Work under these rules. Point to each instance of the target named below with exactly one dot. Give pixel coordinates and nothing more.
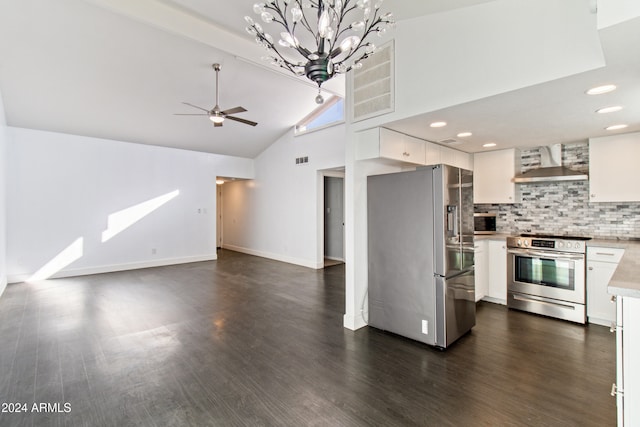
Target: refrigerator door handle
(459, 273)
(452, 219)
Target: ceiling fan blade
(218, 125)
(246, 122)
(187, 114)
(195, 106)
(234, 110)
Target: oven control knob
(526, 243)
(577, 245)
(561, 244)
(519, 243)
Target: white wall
(62, 189)
(278, 214)
(3, 199)
(470, 53)
(612, 12)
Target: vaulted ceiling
(120, 70)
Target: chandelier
(319, 38)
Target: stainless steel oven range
(546, 275)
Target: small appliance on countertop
(484, 223)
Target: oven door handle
(548, 255)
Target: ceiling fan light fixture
(335, 42)
(217, 114)
(216, 119)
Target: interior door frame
(335, 173)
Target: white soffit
(612, 12)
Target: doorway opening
(219, 183)
(333, 215)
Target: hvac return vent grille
(373, 85)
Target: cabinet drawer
(595, 253)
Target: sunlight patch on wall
(119, 221)
(71, 253)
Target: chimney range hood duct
(551, 169)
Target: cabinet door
(492, 174)
(619, 360)
(630, 358)
(433, 154)
(392, 145)
(498, 271)
(397, 146)
(481, 260)
(611, 159)
(414, 150)
(600, 309)
(450, 156)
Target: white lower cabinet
(601, 264)
(627, 386)
(497, 271)
(481, 260)
(491, 270)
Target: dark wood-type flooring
(249, 341)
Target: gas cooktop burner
(551, 236)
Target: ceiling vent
(373, 85)
(448, 141)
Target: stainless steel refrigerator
(420, 251)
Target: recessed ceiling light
(489, 144)
(601, 89)
(616, 127)
(611, 109)
(464, 134)
(438, 124)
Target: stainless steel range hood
(550, 169)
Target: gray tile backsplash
(563, 207)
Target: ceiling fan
(216, 115)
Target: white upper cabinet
(381, 143)
(387, 144)
(612, 162)
(492, 174)
(449, 156)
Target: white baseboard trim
(3, 285)
(495, 300)
(601, 322)
(354, 322)
(85, 271)
(276, 257)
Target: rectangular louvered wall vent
(373, 85)
(302, 160)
